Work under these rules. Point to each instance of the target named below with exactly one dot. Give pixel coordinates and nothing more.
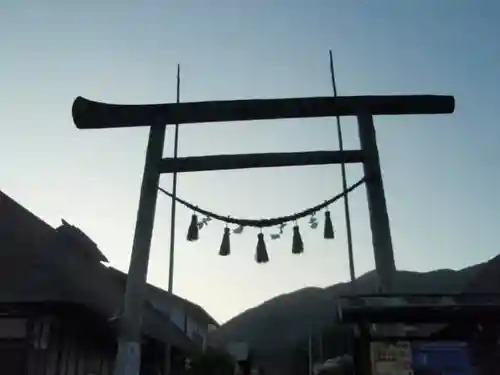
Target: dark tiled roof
(38, 264)
(191, 309)
(74, 236)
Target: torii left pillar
(88, 115)
(128, 360)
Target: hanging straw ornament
(238, 229)
(328, 232)
(261, 255)
(297, 243)
(225, 246)
(313, 222)
(203, 222)
(193, 231)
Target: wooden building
(60, 305)
(427, 323)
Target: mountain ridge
(282, 321)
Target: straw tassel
(193, 232)
(297, 243)
(261, 251)
(328, 232)
(225, 246)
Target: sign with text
(391, 358)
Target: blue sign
(443, 358)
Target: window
(12, 328)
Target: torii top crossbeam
(89, 114)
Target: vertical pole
(172, 228)
(320, 346)
(377, 206)
(174, 195)
(344, 188)
(309, 351)
(128, 359)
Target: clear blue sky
(440, 175)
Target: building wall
(179, 318)
(177, 314)
(34, 344)
(56, 349)
(67, 341)
(195, 330)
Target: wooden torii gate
(94, 115)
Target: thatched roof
(39, 263)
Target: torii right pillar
(377, 205)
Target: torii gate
(94, 115)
